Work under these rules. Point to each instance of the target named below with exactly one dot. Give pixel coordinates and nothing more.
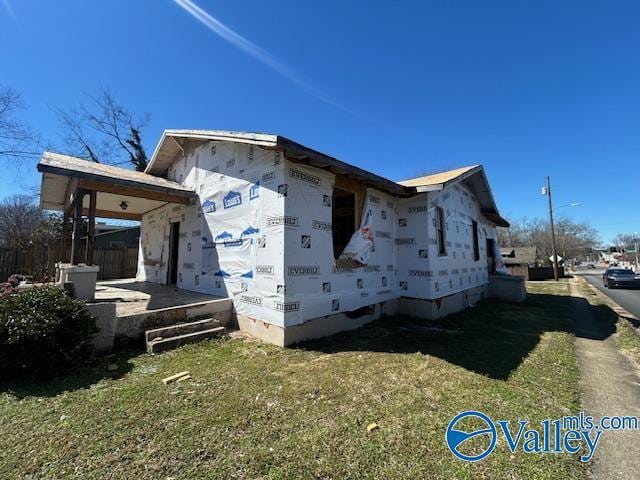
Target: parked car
(591, 265)
(620, 277)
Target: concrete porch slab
(125, 309)
(133, 298)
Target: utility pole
(547, 192)
(635, 247)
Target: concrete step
(160, 344)
(181, 329)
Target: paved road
(627, 299)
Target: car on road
(620, 277)
(591, 265)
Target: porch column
(77, 227)
(65, 237)
(91, 238)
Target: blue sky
(527, 88)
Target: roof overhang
(120, 193)
(175, 142)
(473, 177)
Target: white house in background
(272, 223)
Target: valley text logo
(472, 435)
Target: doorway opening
(343, 219)
(174, 242)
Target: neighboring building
(272, 225)
(519, 256)
(525, 262)
(116, 236)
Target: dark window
(440, 231)
(476, 243)
(343, 218)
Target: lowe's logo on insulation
(286, 221)
(248, 274)
(287, 306)
(221, 273)
(208, 206)
(304, 177)
(224, 236)
(232, 199)
(251, 299)
(249, 231)
(254, 191)
(305, 270)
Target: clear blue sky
(527, 88)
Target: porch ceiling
(121, 193)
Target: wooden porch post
(91, 238)
(77, 226)
(65, 237)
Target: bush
(43, 331)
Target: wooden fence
(39, 262)
(534, 273)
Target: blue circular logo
(455, 437)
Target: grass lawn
(256, 411)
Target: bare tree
(17, 140)
(23, 223)
(573, 239)
(103, 131)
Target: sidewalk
(610, 385)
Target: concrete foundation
(441, 307)
(317, 327)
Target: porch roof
(121, 193)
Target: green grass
(256, 411)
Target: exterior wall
(422, 272)
(261, 234)
(234, 231)
(314, 286)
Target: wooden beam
(119, 215)
(137, 192)
(72, 185)
(65, 237)
(91, 234)
(77, 227)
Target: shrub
(43, 331)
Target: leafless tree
(573, 239)
(103, 131)
(23, 223)
(17, 140)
